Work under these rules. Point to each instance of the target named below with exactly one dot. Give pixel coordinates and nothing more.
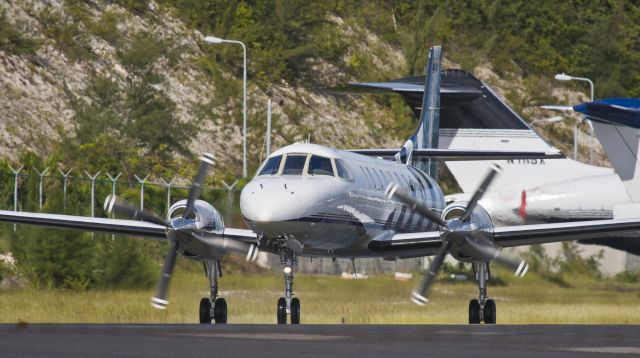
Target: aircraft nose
(269, 201)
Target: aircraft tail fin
(426, 135)
(616, 124)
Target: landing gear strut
(288, 305)
(218, 311)
(482, 309)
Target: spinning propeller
(460, 231)
(111, 204)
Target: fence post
(229, 187)
(141, 181)
(113, 193)
(168, 184)
(113, 183)
(15, 188)
(65, 177)
(93, 191)
(41, 175)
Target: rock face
(36, 88)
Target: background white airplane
(312, 200)
(532, 190)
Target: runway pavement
(74, 340)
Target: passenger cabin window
(272, 166)
(320, 166)
(294, 164)
(342, 170)
(379, 180)
(372, 183)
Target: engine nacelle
(206, 240)
(204, 216)
(479, 220)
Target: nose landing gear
(218, 311)
(288, 305)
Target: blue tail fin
(426, 135)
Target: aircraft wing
(509, 236)
(113, 226)
(428, 242)
(461, 154)
(407, 245)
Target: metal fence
(79, 192)
(82, 193)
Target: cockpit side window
(272, 166)
(320, 166)
(342, 170)
(294, 164)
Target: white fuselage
(338, 210)
(554, 190)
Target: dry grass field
(329, 300)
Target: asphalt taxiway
(74, 340)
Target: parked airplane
(531, 190)
(312, 200)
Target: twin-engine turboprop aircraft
(312, 200)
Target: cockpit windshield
(320, 166)
(305, 164)
(272, 166)
(294, 164)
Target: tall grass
(330, 300)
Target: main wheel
(205, 310)
(282, 311)
(489, 312)
(220, 310)
(474, 312)
(295, 311)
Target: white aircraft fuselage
(336, 210)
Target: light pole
(212, 40)
(564, 77)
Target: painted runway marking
(610, 350)
(268, 336)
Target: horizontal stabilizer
(616, 111)
(554, 107)
(461, 154)
(403, 87)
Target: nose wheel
(288, 305)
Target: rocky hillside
(72, 72)
(70, 44)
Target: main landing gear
(288, 305)
(218, 311)
(482, 309)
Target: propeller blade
(419, 294)
(112, 205)
(495, 169)
(206, 160)
(394, 191)
(489, 251)
(160, 300)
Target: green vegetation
(12, 39)
(596, 39)
(379, 299)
